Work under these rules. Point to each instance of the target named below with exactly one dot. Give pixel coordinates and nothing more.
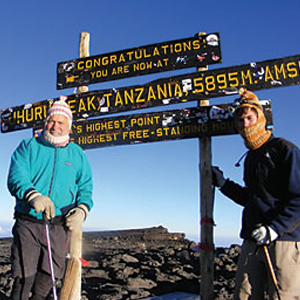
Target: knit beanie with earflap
(255, 135)
(59, 107)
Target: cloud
(5, 229)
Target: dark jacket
(271, 195)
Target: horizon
(220, 241)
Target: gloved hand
(217, 177)
(264, 235)
(42, 203)
(76, 216)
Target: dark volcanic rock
(135, 264)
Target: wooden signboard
(159, 126)
(172, 55)
(194, 86)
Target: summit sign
(215, 83)
(173, 55)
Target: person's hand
(264, 235)
(42, 204)
(76, 216)
(218, 178)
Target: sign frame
(202, 85)
(190, 52)
(160, 126)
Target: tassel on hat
(249, 99)
(255, 135)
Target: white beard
(56, 140)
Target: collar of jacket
(40, 139)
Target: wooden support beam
(206, 208)
(206, 213)
(84, 52)
(71, 289)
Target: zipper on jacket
(54, 164)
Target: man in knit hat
(271, 201)
(51, 181)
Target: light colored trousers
(253, 277)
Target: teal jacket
(61, 173)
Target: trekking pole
(50, 261)
(272, 271)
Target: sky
(150, 184)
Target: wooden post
(71, 289)
(84, 51)
(206, 213)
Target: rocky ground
(135, 264)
